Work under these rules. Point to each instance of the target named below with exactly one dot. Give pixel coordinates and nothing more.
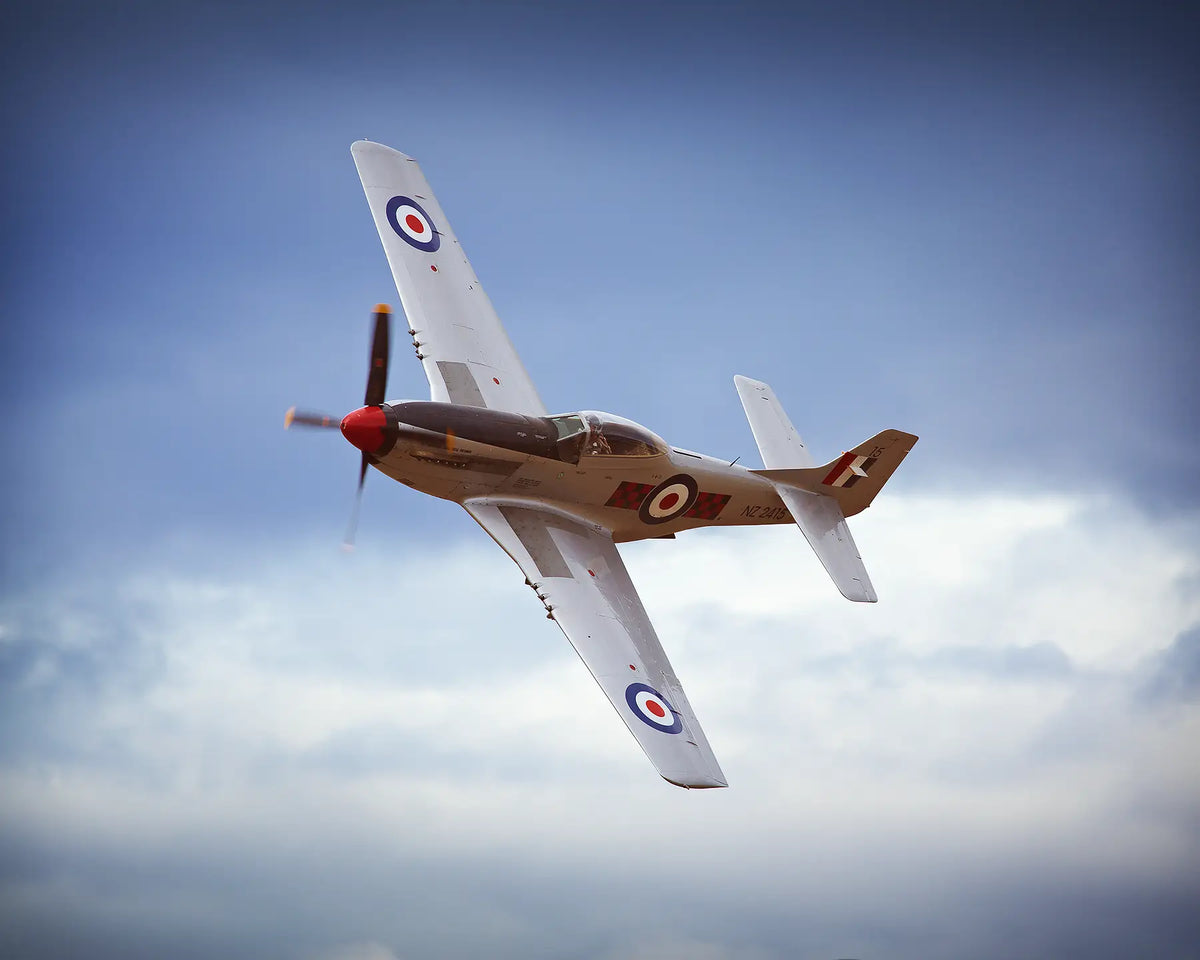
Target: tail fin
(820, 498)
(854, 478)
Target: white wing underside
(575, 566)
(465, 351)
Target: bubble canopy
(590, 433)
(569, 437)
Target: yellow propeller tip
(289, 417)
(382, 308)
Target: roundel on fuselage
(670, 499)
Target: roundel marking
(652, 708)
(670, 499)
(412, 224)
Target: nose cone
(366, 428)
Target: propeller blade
(306, 419)
(374, 397)
(377, 378)
(352, 529)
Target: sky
(219, 735)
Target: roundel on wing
(652, 708)
(412, 224)
(670, 499)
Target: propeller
(373, 397)
(377, 377)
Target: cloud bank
(395, 755)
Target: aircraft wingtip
(370, 146)
(713, 784)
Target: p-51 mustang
(557, 493)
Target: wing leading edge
(467, 355)
(576, 569)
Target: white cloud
(343, 718)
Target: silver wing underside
(576, 569)
(464, 349)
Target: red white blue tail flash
(845, 472)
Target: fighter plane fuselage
(610, 470)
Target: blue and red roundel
(652, 708)
(670, 500)
(412, 224)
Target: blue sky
(972, 222)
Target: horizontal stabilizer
(778, 441)
(821, 498)
(820, 520)
(854, 478)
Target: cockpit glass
(571, 436)
(611, 437)
(567, 426)
(590, 434)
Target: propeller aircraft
(559, 492)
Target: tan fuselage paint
(465, 469)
